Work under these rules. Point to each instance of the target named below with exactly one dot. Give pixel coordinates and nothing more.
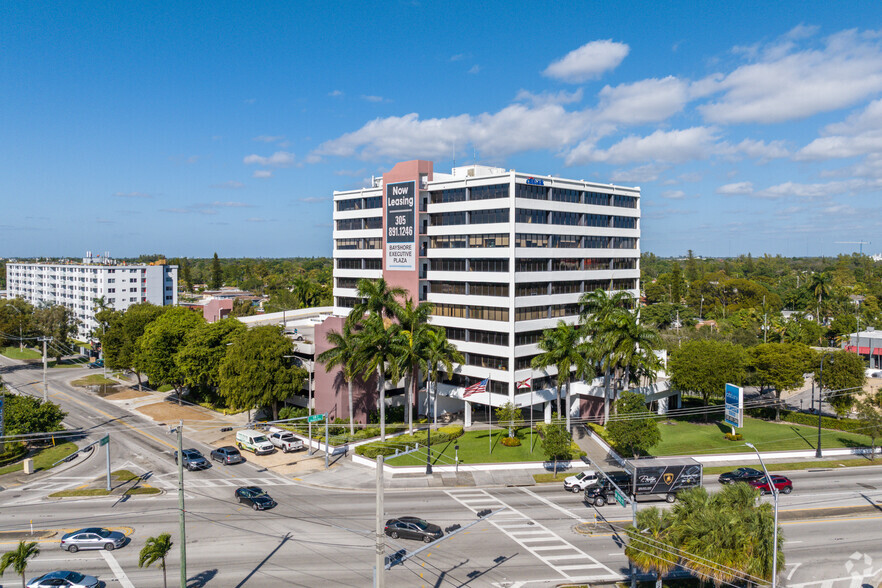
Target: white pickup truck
(579, 482)
(284, 440)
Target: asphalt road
(321, 537)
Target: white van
(254, 441)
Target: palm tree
(439, 351)
(409, 343)
(377, 298)
(375, 353)
(563, 348)
(629, 346)
(342, 354)
(649, 543)
(820, 285)
(598, 315)
(18, 559)
(156, 549)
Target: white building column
(468, 413)
(663, 405)
(547, 413)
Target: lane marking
(565, 511)
(116, 569)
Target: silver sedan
(92, 538)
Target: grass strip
(43, 459)
(93, 380)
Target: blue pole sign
(734, 414)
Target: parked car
(580, 481)
(64, 579)
(782, 483)
(254, 441)
(92, 538)
(227, 455)
(285, 440)
(98, 363)
(254, 496)
(193, 460)
(740, 475)
(413, 528)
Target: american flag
(525, 383)
(476, 388)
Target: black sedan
(257, 498)
(413, 528)
(227, 455)
(193, 459)
(740, 475)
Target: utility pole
(380, 561)
(181, 504)
(45, 386)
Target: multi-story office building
(501, 254)
(78, 286)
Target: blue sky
(189, 128)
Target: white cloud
(474, 69)
(816, 191)
(736, 189)
(643, 173)
(277, 159)
(786, 84)
(269, 138)
(132, 195)
(588, 61)
(859, 134)
(335, 93)
(229, 185)
(372, 98)
(646, 101)
(676, 146)
(262, 173)
(673, 194)
(759, 150)
(543, 98)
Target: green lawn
(685, 438)
(13, 353)
(474, 447)
(44, 458)
(93, 380)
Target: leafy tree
(124, 329)
(199, 357)
(242, 308)
(705, 367)
(186, 279)
(156, 549)
(58, 322)
(871, 413)
(217, 275)
(25, 414)
(342, 354)
(633, 427)
(556, 443)
(844, 373)
(256, 372)
(650, 545)
(563, 348)
(162, 339)
(511, 414)
(781, 366)
(676, 284)
(16, 319)
(18, 558)
(440, 352)
(409, 340)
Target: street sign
(619, 498)
(104, 440)
(734, 412)
(315, 418)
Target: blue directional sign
(734, 413)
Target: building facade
(79, 285)
(501, 254)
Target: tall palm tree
(18, 559)
(377, 298)
(342, 354)
(439, 351)
(375, 353)
(156, 549)
(599, 313)
(649, 543)
(563, 348)
(409, 342)
(820, 285)
(629, 346)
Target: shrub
(735, 437)
(292, 412)
(576, 451)
(372, 450)
(511, 441)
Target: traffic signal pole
(181, 504)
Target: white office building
(79, 285)
(502, 255)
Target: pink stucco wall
(403, 172)
(331, 391)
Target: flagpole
(531, 414)
(490, 415)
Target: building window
(531, 289)
(531, 265)
(374, 222)
(373, 264)
(347, 302)
(488, 265)
(565, 265)
(489, 192)
(566, 287)
(531, 191)
(344, 263)
(497, 240)
(566, 241)
(482, 217)
(349, 224)
(529, 215)
(563, 195)
(597, 198)
(448, 265)
(596, 263)
(488, 289)
(625, 284)
(454, 195)
(624, 201)
(531, 313)
(528, 338)
(373, 243)
(565, 218)
(452, 310)
(624, 243)
(347, 283)
(487, 337)
(624, 222)
(448, 242)
(488, 313)
(597, 220)
(595, 242)
(344, 244)
(447, 287)
(487, 361)
(346, 205)
(531, 240)
(442, 219)
(565, 310)
(628, 263)
(373, 202)
(455, 333)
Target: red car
(782, 483)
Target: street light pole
(774, 492)
(820, 396)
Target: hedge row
(404, 442)
(801, 418)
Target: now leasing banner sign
(401, 226)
